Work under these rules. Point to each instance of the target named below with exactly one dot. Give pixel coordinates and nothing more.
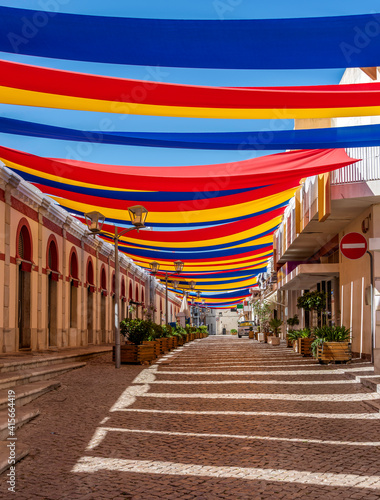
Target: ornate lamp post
(155, 266)
(95, 221)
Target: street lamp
(178, 266)
(95, 221)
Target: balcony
(306, 276)
(352, 189)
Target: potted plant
(305, 340)
(233, 331)
(263, 312)
(134, 351)
(312, 301)
(332, 343)
(275, 325)
(292, 321)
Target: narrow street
(220, 418)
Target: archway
(24, 256)
(103, 304)
(123, 299)
(113, 304)
(90, 302)
(137, 300)
(73, 289)
(130, 297)
(52, 292)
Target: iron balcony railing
(368, 169)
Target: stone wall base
(376, 356)
(365, 356)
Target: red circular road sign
(353, 245)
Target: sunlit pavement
(221, 418)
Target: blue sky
(203, 9)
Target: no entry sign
(353, 245)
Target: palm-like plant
(275, 325)
(329, 334)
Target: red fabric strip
(38, 79)
(277, 168)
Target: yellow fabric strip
(262, 228)
(22, 97)
(191, 217)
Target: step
(22, 416)
(12, 362)
(20, 452)
(372, 405)
(16, 378)
(372, 383)
(24, 394)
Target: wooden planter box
(172, 342)
(156, 346)
(304, 347)
(137, 354)
(289, 343)
(164, 345)
(334, 351)
(272, 339)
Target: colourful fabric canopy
(225, 257)
(277, 168)
(322, 42)
(325, 138)
(216, 214)
(27, 85)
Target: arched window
(103, 279)
(24, 247)
(74, 264)
(90, 274)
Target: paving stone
(222, 418)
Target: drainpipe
(372, 307)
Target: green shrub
(179, 330)
(136, 330)
(293, 320)
(306, 333)
(312, 301)
(294, 335)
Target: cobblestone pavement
(220, 418)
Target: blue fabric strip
(325, 138)
(321, 42)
